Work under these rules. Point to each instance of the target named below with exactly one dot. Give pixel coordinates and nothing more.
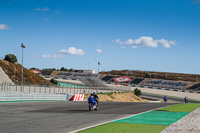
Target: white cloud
(147, 42)
(63, 53)
(118, 41)
(165, 43)
(122, 47)
(3, 27)
(72, 50)
(135, 47)
(129, 41)
(53, 56)
(42, 9)
(99, 51)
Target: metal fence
(61, 90)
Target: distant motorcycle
(165, 99)
(186, 99)
(92, 103)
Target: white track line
(114, 120)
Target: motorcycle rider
(96, 98)
(165, 99)
(186, 99)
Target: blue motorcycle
(92, 103)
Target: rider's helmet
(94, 93)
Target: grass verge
(189, 107)
(116, 127)
(125, 128)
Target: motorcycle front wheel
(90, 106)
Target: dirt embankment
(155, 75)
(118, 97)
(14, 73)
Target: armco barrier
(166, 89)
(75, 97)
(15, 96)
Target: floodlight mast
(22, 46)
(98, 66)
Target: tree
(62, 69)
(71, 70)
(54, 81)
(34, 68)
(137, 92)
(11, 58)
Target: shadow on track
(105, 108)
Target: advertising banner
(35, 71)
(122, 79)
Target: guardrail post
(16, 87)
(9, 86)
(40, 90)
(6, 88)
(2, 86)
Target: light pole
(98, 66)
(22, 46)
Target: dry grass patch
(118, 97)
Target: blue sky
(150, 35)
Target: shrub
(54, 81)
(137, 92)
(11, 58)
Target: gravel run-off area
(188, 124)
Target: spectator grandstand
(166, 84)
(94, 82)
(46, 72)
(136, 81)
(195, 87)
(108, 78)
(87, 78)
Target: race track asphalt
(177, 99)
(62, 116)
